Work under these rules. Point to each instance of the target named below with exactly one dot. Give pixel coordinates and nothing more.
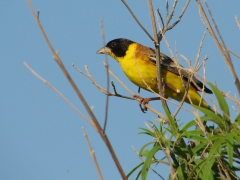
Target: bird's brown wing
(168, 64)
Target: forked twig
(166, 27)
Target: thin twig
(167, 8)
(172, 12)
(92, 153)
(129, 9)
(233, 53)
(159, 14)
(60, 94)
(180, 16)
(157, 49)
(108, 79)
(166, 151)
(238, 24)
(79, 94)
(104, 91)
(225, 56)
(166, 27)
(199, 50)
(184, 96)
(113, 75)
(218, 33)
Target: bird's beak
(104, 50)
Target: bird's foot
(142, 102)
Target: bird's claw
(142, 102)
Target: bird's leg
(139, 91)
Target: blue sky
(40, 135)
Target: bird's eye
(113, 44)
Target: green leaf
(237, 138)
(216, 146)
(216, 137)
(197, 168)
(195, 132)
(148, 161)
(207, 169)
(198, 138)
(143, 148)
(237, 120)
(144, 153)
(221, 100)
(188, 125)
(230, 143)
(199, 147)
(134, 169)
(212, 117)
(180, 172)
(147, 131)
(172, 123)
(236, 123)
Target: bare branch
(233, 53)
(172, 12)
(166, 27)
(159, 14)
(238, 24)
(157, 51)
(107, 67)
(92, 153)
(79, 94)
(199, 50)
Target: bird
(138, 63)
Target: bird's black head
(119, 46)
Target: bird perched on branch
(138, 62)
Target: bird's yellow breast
(138, 68)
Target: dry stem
(92, 153)
(223, 50)
(79, 94)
